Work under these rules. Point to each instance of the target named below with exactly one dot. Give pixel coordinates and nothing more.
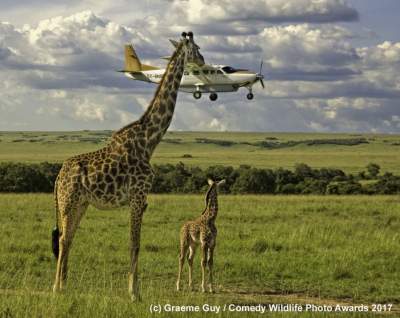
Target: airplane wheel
(250, 96)
(213, 96)
(197, 95)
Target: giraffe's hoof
(211, 289)
(136, 298)
(56, 289)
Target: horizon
(215, 132)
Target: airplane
(196, 79)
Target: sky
(329, 65)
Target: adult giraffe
(120, 173)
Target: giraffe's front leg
(210, 268)
(204, 251)
(138, 205)
(192, 250)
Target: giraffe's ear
(221, 182)
(210, 182)
(174, 43)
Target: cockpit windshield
(229, 69)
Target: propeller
(259, 76)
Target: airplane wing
(194, 66)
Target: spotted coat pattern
(119, 174)
(201, 231)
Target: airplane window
(205, 71)
(219, 72)
(229, 69)
(196, 72)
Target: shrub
(224, 143)
(347, 187)
(373, 169)
(302, 171)
(254, 181)
(388, 184)
(19, 177)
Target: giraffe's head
(192, 50)
(212, 190)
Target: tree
(346, 187)
(255, 181)
(373, 170)
(303, 171)
(313, 186)
(285, 177)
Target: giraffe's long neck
(146, 133)
(212, 205)
(158, 115)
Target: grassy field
(57, 146)
(271, 249)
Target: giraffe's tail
(55, 234)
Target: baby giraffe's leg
(182, 255)
(192, 249)
(210, 268)
(204, 250)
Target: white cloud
(63, 69)
(215, 124)
(206, 11)
(306, 46)
(384, 53)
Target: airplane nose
(260, 77)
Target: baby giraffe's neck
(212, 206)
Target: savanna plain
(323, 250)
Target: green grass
(271, 249)
(57, 146)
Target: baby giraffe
(201, 231)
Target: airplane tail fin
(132, 61)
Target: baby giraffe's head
(212, 190)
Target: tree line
(21, 177)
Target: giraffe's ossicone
(119, 174)
(202, 231)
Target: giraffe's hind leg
(70, 223)
(210, 262)
(204, 252)
(138, 205)
(182, 255)
(192, 250)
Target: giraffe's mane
(141, 119)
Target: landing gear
(213, 96)
(197, 94)
(250, 96)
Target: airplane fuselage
(205, 80)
